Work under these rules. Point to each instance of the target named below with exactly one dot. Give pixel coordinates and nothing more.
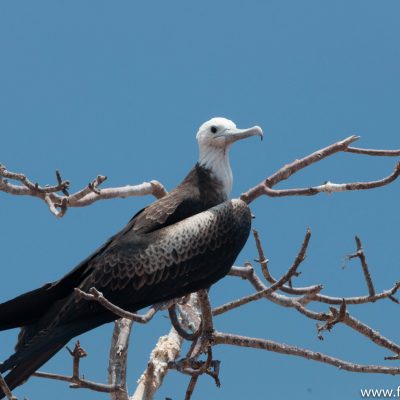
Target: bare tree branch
(77, 353)
(336, 317)
(59, 203)
(275, 286)
(265, 187)
(371, 334)
(190, 389)
(95, 295)
(76, 382)
(313, 291)
(299, 303)
(373, 152)
(330, 187)
(6, 390)
(161, 359)
(181, 331)
(166, 351)
(202, 343)
(360, 254)
(118, 359)
(269, 345)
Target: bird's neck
(216, 160)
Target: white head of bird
(215, 138)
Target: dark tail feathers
(24, 370)
(25, 361)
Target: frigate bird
(181, 243)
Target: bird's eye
(214, 129)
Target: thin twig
(373, 152)
(191, 386)
(77, 353)
(95, 295)
(360, 254)
(63, 185)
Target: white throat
(217, 161)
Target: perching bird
(179, 244)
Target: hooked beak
(232, 135)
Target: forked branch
(265, 187)
(58, 203)
(76, 382)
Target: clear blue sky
(120, 88)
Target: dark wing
(194, 253)
(25, 309)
